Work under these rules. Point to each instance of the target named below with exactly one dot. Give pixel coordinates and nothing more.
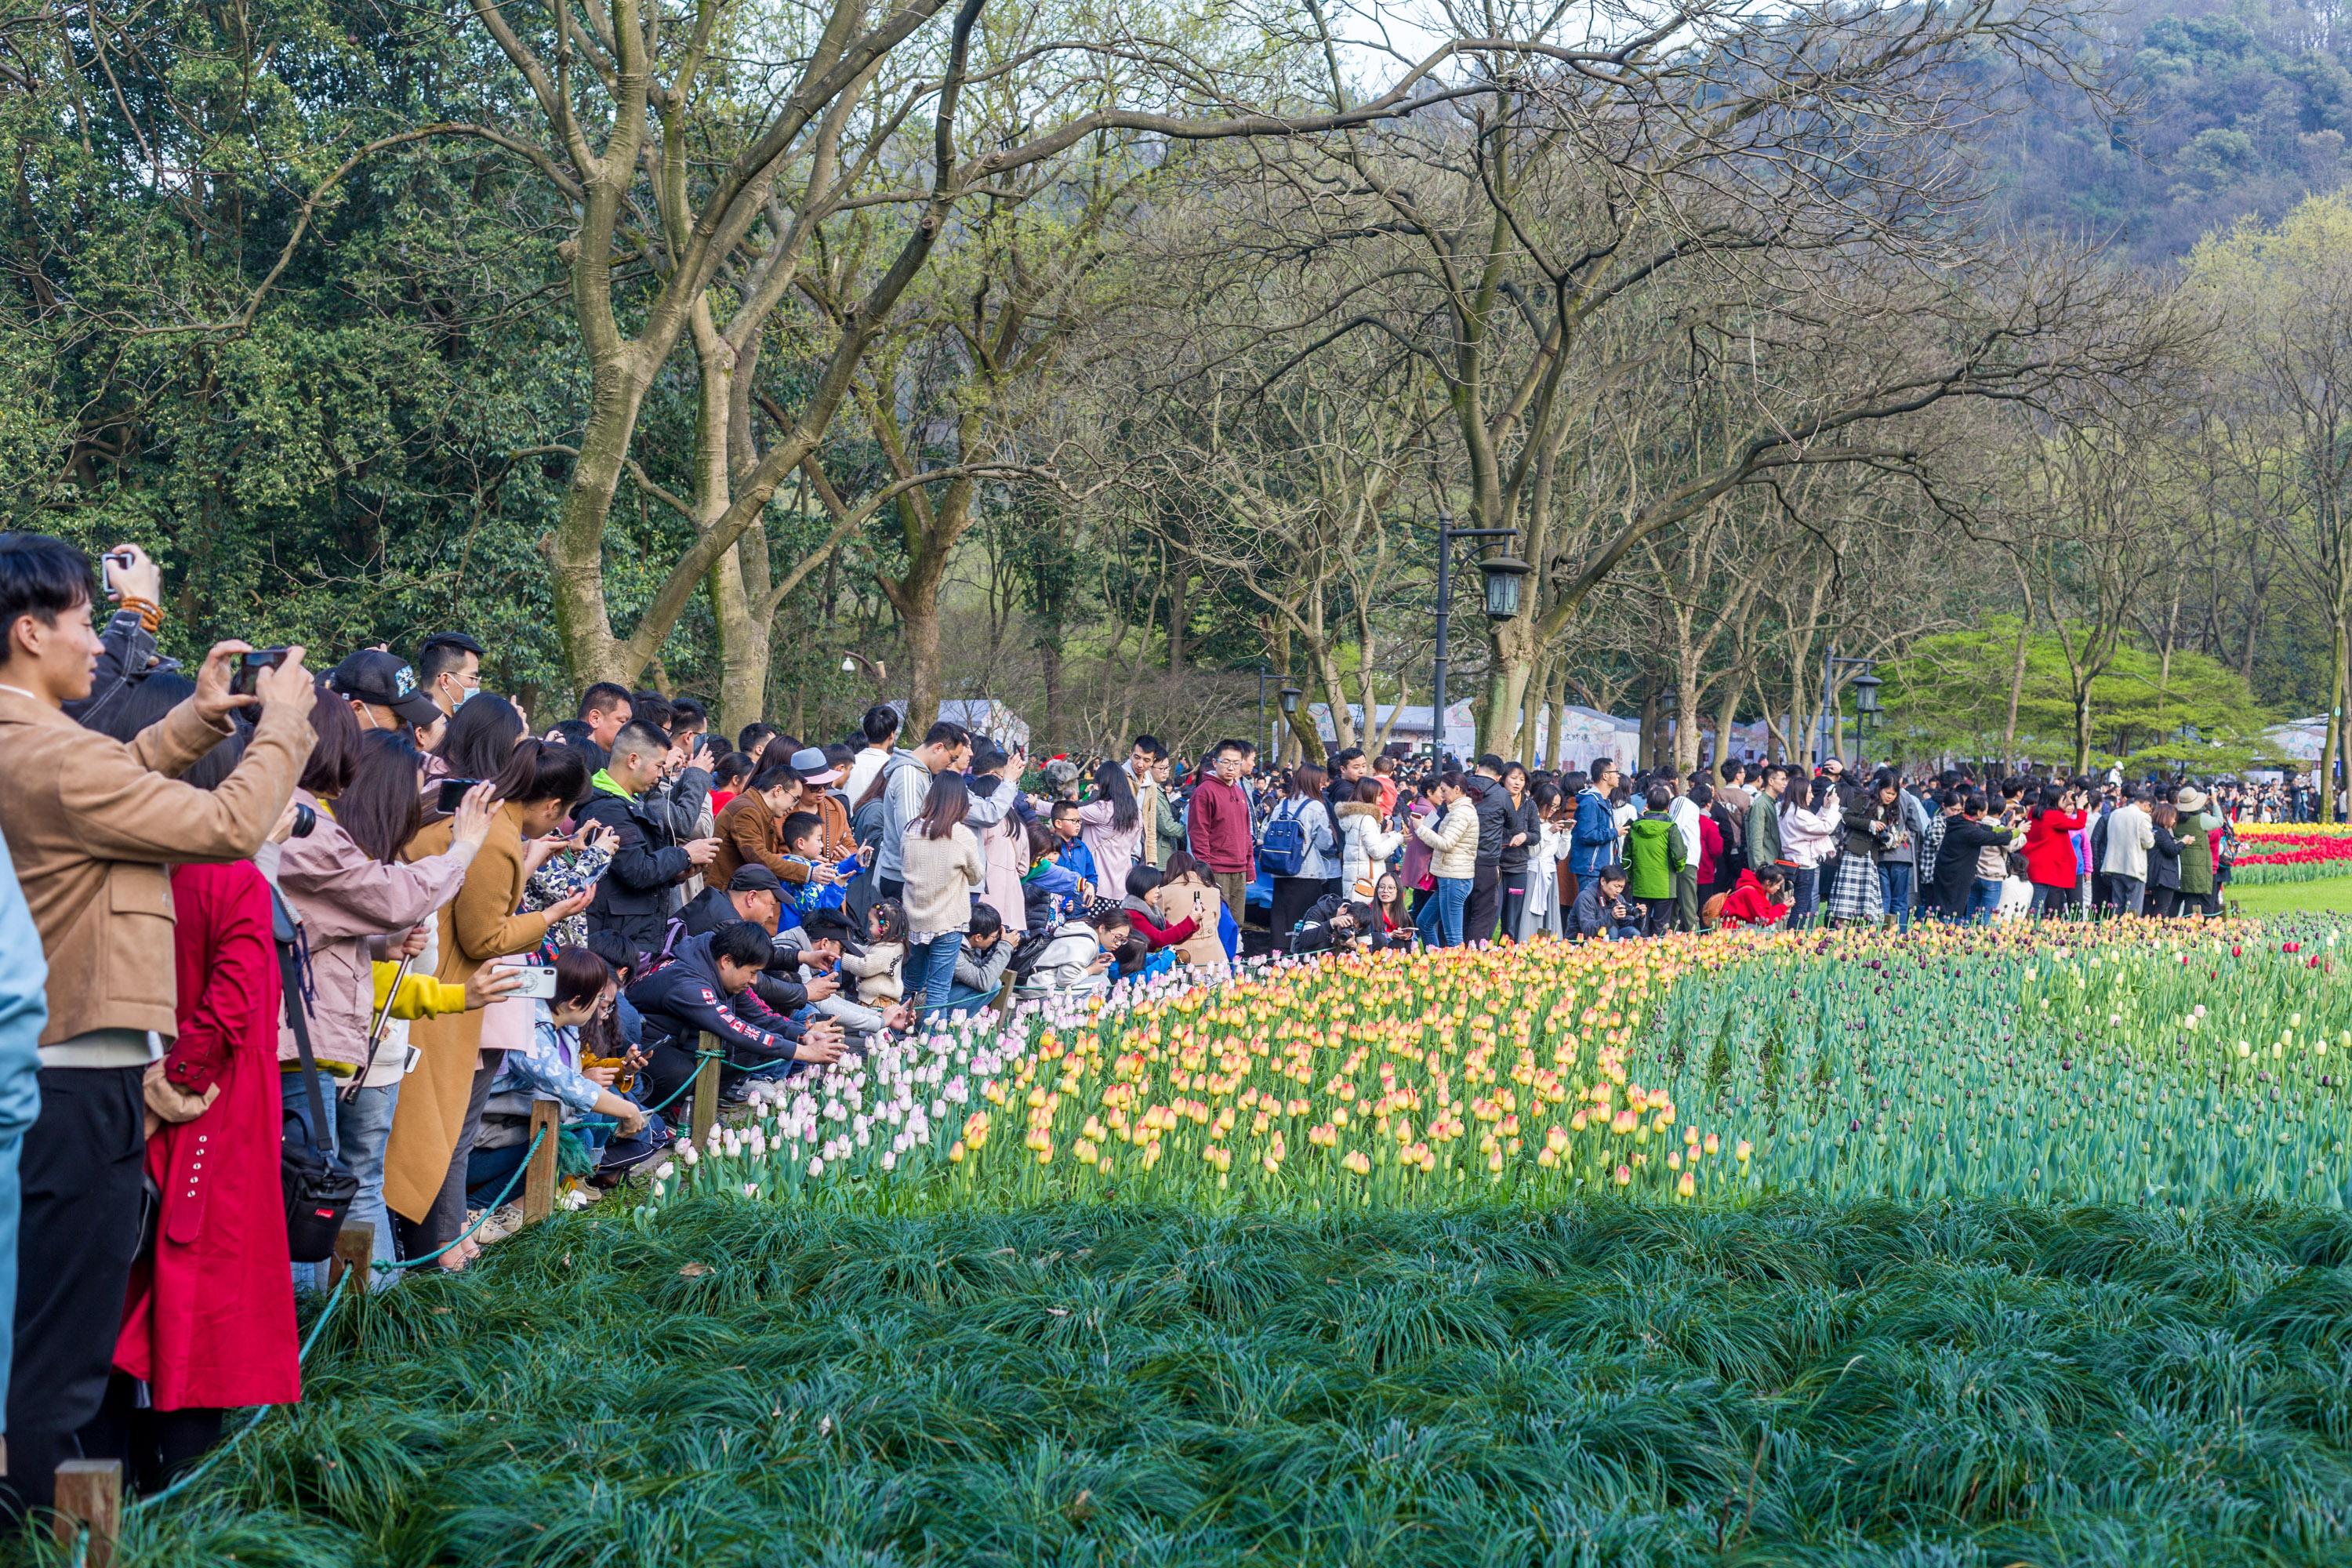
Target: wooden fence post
(539, 1180)
(354, 1248)
(706, 1092)
(89, 1496)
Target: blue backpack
(1285, 849)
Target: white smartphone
(538, 981)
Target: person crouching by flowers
(1079, 955)
(549, 1068)
(1602, 911)
(1754, 901)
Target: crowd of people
(349, 929)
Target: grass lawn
(746, 1383)
(2329, 895)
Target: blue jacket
(1593, 842)
(24, 1011)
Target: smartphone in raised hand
(244, 680)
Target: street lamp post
(1865, 686)
(1503, 575)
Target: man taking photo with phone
(644, 885)
(93, 824)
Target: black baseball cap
(754, 880)
(387, 680)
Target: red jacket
(1158, 936)
(1220, 826)
(1746, 905)
(209, 1318)
(1710, 848)
(2049, 848)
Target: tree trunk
(2327, 752)
(1511, 647)
(917, 599)
(2016, 686)
(576, 550)
(1685, 721)
(1724, 717)
(1178, 610)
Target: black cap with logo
(386, 679)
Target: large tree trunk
(1511, 647)
(576, 550)
(1686, 719)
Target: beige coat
(94, 824)
(1453, 842)
(1202, 949)
(477, 926)
(942, 874)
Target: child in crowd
(1070, 851)
(876, 969)
(1156, 929)
(1051, 891)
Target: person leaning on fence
(93, 823)
(550, 1068)
(706, 989)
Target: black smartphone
(453, 795)
(249, 666)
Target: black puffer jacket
(640, 889)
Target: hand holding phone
(245, 675)
(536, 982)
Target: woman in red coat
(2050, 863)
(209, 1323)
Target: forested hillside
(2231, 109)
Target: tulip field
(2143, 1063)
(2020, 1245)
(2292, 852)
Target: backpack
(1284, 853)
(1023, 962)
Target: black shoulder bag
(319, 1186)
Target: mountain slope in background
(2234, 110)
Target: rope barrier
(221, 1452)
(488, 1210)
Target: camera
(249, 666)
(305, 819)
(453, 795)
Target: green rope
(488, 1210)
(665, 1100)
(218, 1454)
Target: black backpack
(320, 1188)
(1023, 962)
